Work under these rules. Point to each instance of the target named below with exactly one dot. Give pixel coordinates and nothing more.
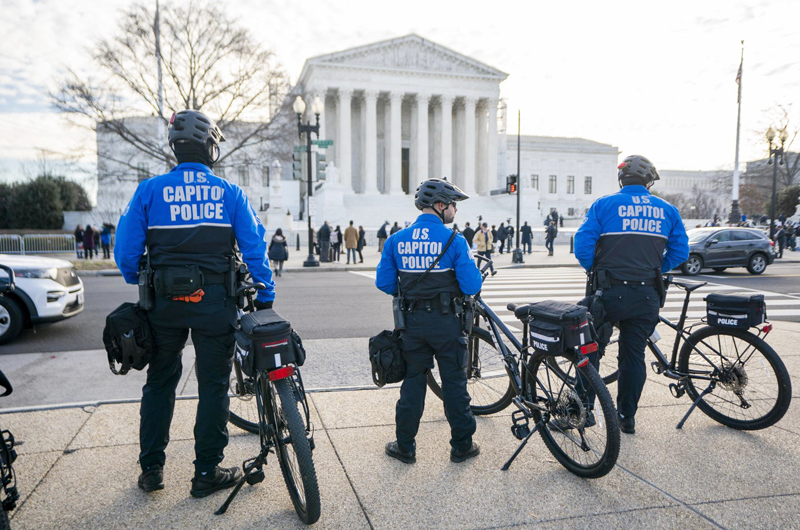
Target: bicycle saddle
(521, 311)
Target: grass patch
(93, 264)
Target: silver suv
(719, 248)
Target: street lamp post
(299, 108)
(775, 158)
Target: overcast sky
(651, 78)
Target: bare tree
(760, 172)
(210, 63)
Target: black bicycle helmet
(636, 169)
(437, 190)
(194, 126)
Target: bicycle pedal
(657, 368)
(521, 427)
(255, 477)
(677, 391)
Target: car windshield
(697, 236)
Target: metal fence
(37, 244)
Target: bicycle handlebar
(250, 287)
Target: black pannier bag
(736, 310)
(128, 338)
(557, 326)
(386, 358)
(265, 341)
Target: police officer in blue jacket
(188, 221)
(433, 309)
(627, 240)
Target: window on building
(571, 212)
(265, 176)
(535, 182)
(553, 184)
(244, 176)
(142, 172)
(570, 184)
(587, 185)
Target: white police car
(42, 290)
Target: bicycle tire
(563, 406)
(608, 365)
(242, 407)
(287, 417)
(496, 399)
(735, 378)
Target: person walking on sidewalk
(182, 248)
(395, 228)
(780, 237)
(550, 235)
(501, 237)
(278, 252)
(432, 304)
(105, 240)
(626, 242)
(88, 243)
(484, 243)
(324, 236)
(469, 233)
(362, 242)
(351, 241)
(382, 235)
(336, 243)
(509, 238)
(527, 237)
(79, 241)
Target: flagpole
(162, 129)
(736, 216)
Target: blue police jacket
(409, 252)
(630, 234)
(190, 216)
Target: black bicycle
(732, 375)
(282, 422)
(502, 370)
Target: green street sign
(322, 143)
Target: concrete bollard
(572, 244)
(298, 242)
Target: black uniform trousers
(635, 308)
(430, 334)
(211, 322)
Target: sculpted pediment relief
(413, 53)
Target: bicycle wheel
(243, 409)
(488, 384)
(294, 451)
(565, 414)
(608, 368)
(752, 390)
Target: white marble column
(469, 145)
(421, 145)
(395, 145)
(344, 156)
(492, 144)
(371, 142)
(482, 150)
(447, 138)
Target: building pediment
(409, 53)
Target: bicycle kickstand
(254, 469)
(696, 401)
(521, 446)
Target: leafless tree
(760, 172)
(209, 62)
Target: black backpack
(386, 358)
(128, 338)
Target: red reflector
(281, 373)
(767, 328)
(622, 165)
(584, 362)
(586, 349)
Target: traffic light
(297, 166)
(322, 164)
(511, 184)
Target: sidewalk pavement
(78, 467)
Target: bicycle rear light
(281, 373)
(766, 329)
(586, 349)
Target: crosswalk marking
(567, 284)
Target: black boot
(395, 452)
(216, 480)
(627, 425)
(152, 478)
(457, 455)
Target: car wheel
(692, 266)
(757, 264)
(720, 269)
(11, 319)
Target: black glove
(262, 305)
